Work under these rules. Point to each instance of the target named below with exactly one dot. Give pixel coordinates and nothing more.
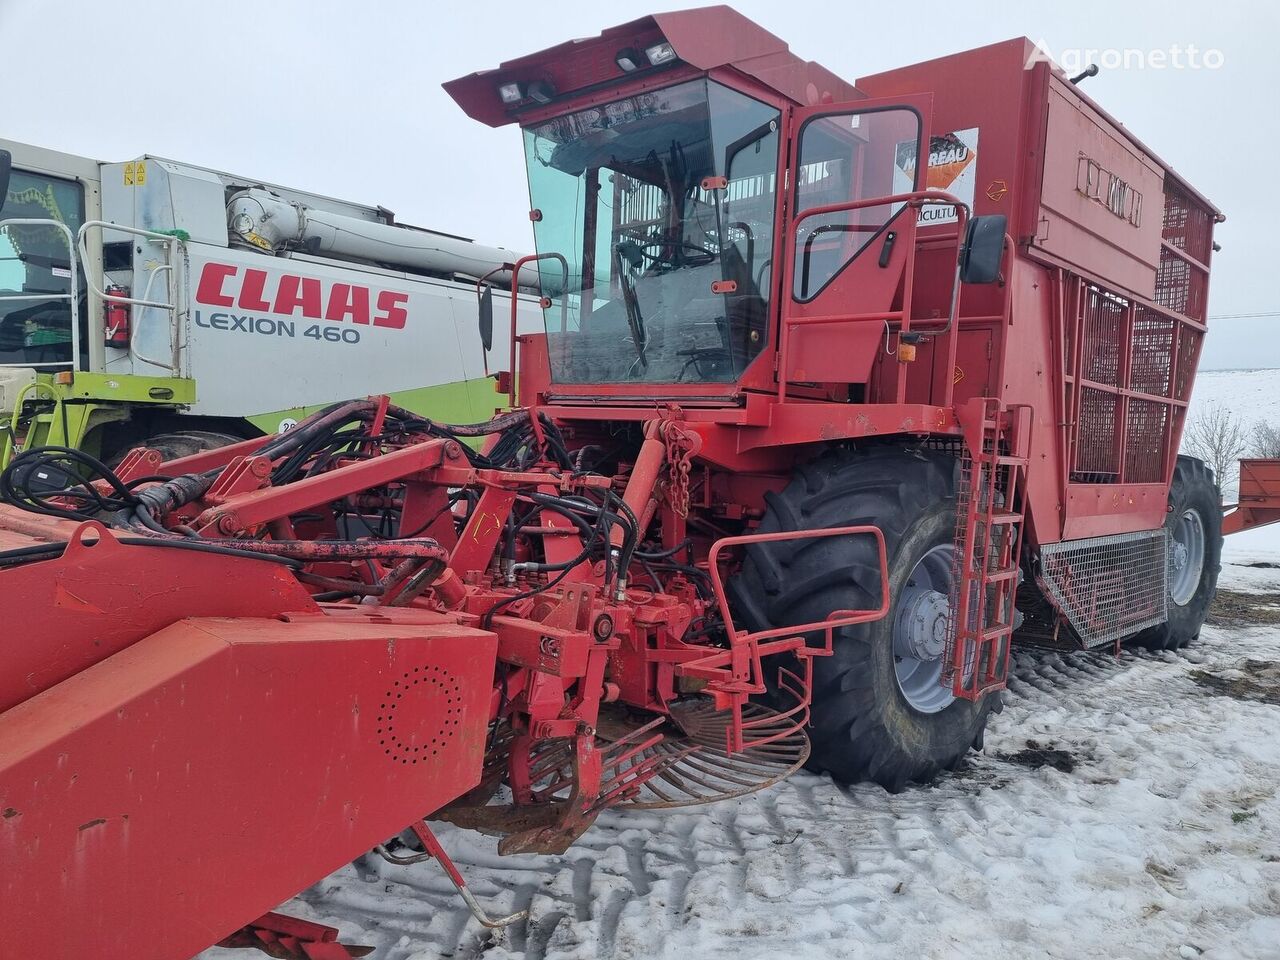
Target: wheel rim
(1186, 557)
(920, 630)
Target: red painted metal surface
(216, 767)
(288, 937)
(101, 596)
(1259, 501)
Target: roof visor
(702, 39)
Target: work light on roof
(542, 91)
(628, 59)
(660, 53)
(511, 92)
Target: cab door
(852, 234)
(39, 291)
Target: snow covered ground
(1252, 395)
(1123, 808)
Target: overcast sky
(344, 98)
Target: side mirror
(983, 249)
(486, 318)
(6, 168)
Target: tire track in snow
(812, 866)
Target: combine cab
(842, 390)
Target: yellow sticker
(129, 169)
(141, 176)
(135, 174)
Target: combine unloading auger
(240, 670)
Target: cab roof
(704, 38)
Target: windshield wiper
(622, 255)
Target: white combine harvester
(186, 307)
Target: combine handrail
(915, 199)
(515, 305)
(174, 245)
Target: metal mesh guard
(1108, 587)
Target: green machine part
(52, 411)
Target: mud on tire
(863, 727)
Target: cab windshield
(662, 205)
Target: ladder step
(1004, 518)
(1001, 576)
(1007, 461)
(992, 634)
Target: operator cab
(663, 206)
(36, 269)
(711, 211)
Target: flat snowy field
(1123, 808)
(1251, 395)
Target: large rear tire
(879, 710)
(1194, 529)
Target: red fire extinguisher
(116, 318)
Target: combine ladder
(990, 513)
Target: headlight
(511, 92)
(660, 53)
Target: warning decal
(953, 166)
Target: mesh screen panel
(1096, 441)
(1145, 441)
(1188, 224)
(1180, 286)
(1103, 323)
(1188, 355)
(1108, 587)
(1150, 363)
(1128, 364)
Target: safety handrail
(736, 673)
(9, 442)
(173, 282)
(72, 297)
(914, 200)
(515, 305)
(839, 618)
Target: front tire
(879, 710)
(1193, 528)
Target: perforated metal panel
(1108, 587)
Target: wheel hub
(920, 632)
(1186, 557)
(924, 624)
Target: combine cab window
(663, 205)
(845, 158)
(34, 261)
